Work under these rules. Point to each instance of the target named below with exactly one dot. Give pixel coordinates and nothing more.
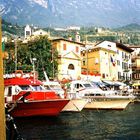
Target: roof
(119, 45)
(134, 46)
(59, 39)
(122, 46)
(71, 52)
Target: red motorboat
(29, 98)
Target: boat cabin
(54, 86)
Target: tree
(40, 48)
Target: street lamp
(16, 46)
(33, 62)
(88, 49)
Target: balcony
(134, 57)
(136, 69)
(134, 65)
(136, 76)
(126, 58)
(124, 79)
(126, 69)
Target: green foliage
(12, 29)
(39, 48)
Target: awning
(110, 83)
(120, 83)
(136, 84)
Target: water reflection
(87, 125)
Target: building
(69, 60)
(100, 60)
(40, 32)
(27, 31)
(109, 59)
(124, 63)
(135, 64)
(30, 32)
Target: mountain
(130, 28)
(107, 13)
(10, 29)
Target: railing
(126, 69)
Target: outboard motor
(12, 132)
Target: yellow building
(100, 60)
(110, 60)
(69, 60)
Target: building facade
(69, 60)
(124, 63)
(110, 60)
(135, 64)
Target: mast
(2, 108)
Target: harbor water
(85, 125)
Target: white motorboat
(99, 99)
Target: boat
(100, 99)
(106, 103)
(76, 103)
(136, 91)
(54, 86)
(26, 95)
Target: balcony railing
(136, 69)
(134, 65)
(126, 69)
(122, 78)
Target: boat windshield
(55, 86)
(94, 85)
(25, 87)
(87, 85)
(37, 87)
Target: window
(84, 62)
(83, 54)
(77, 86)
(96, 61)
(118, 62)
(122, 55)
(124, 75)
(123, 65)
(77, 49)
(64, 47)
(103, 75)
(71, 67)
(119, 75)
(27, 32)
(9, 91)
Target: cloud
(42, 3)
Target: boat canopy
(110, 83)
(21, 81)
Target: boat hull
(107, 104)
(39, 108)
(75, 105)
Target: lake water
(85, 125)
